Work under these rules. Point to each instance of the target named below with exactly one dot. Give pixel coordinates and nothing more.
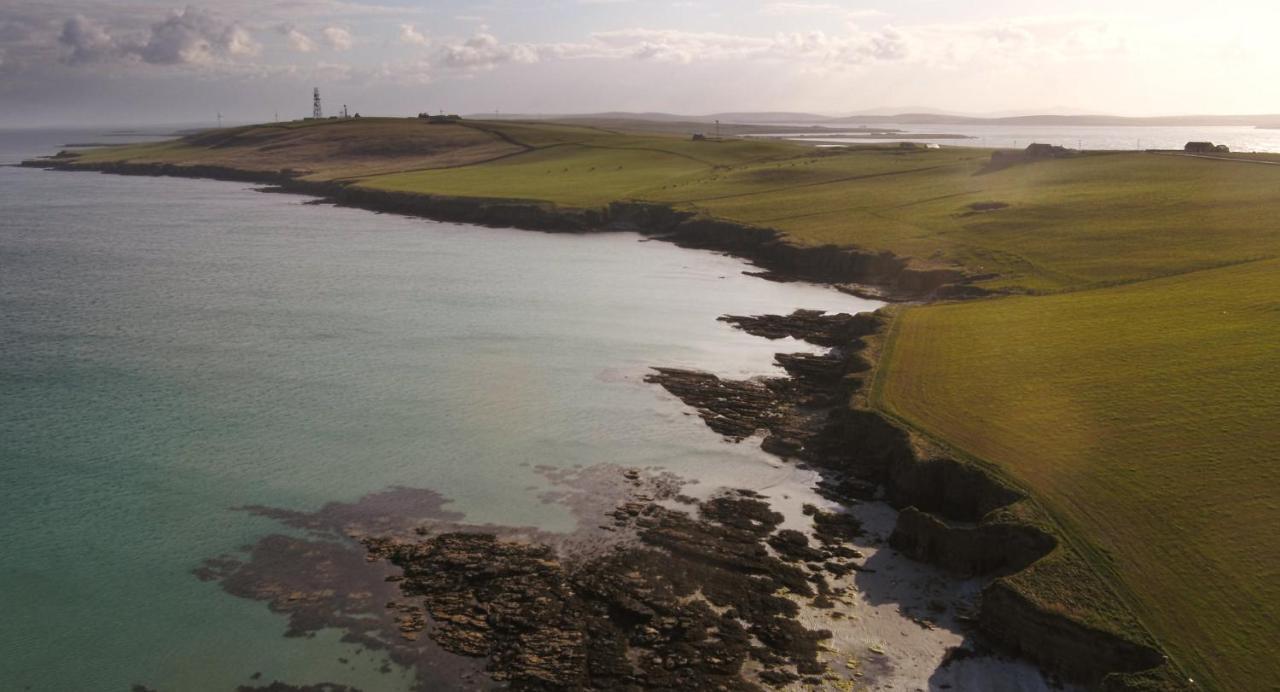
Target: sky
(75, 62)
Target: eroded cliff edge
(1041, 600)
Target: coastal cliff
(953, 514)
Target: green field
(1144, 416)
(1130, 380)
(322, 150)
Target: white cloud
(336, 37)
(296, 39)
(189, 37)
(484, 51)
(410, 35)
(194, 36)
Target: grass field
(1131, 382)
(1145, 417)
(323, 150)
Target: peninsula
(1075, 399)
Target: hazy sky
(154, 61)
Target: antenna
(316, 111)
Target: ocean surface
(1242, 139)
(171, 350)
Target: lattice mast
(316, 111)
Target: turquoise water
(173, 349)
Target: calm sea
(172, 349)
(1247, 139)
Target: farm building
(1206, 148)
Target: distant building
(1206, 148)
(438, 119)
(699, 137)
(1045, 151)
(1002, 158)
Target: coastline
(876, 275)
(954, 514)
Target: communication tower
(316, 111)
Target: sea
(173, 350)
(1093, 138)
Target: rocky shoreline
(952, 514)
(674, 592)
(540, 622)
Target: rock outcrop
(953, 514)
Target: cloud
(336, 38)
(87, 41)
(484, 51)
(194, 36)
(190, 37)
(410, 35)
(296, 39)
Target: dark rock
(644, 616)
(793, 546)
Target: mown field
(1145, 417)
(1130, 380)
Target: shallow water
(173, 349)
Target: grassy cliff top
(1040, 227)
(1131, 387)
(1143, 416)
